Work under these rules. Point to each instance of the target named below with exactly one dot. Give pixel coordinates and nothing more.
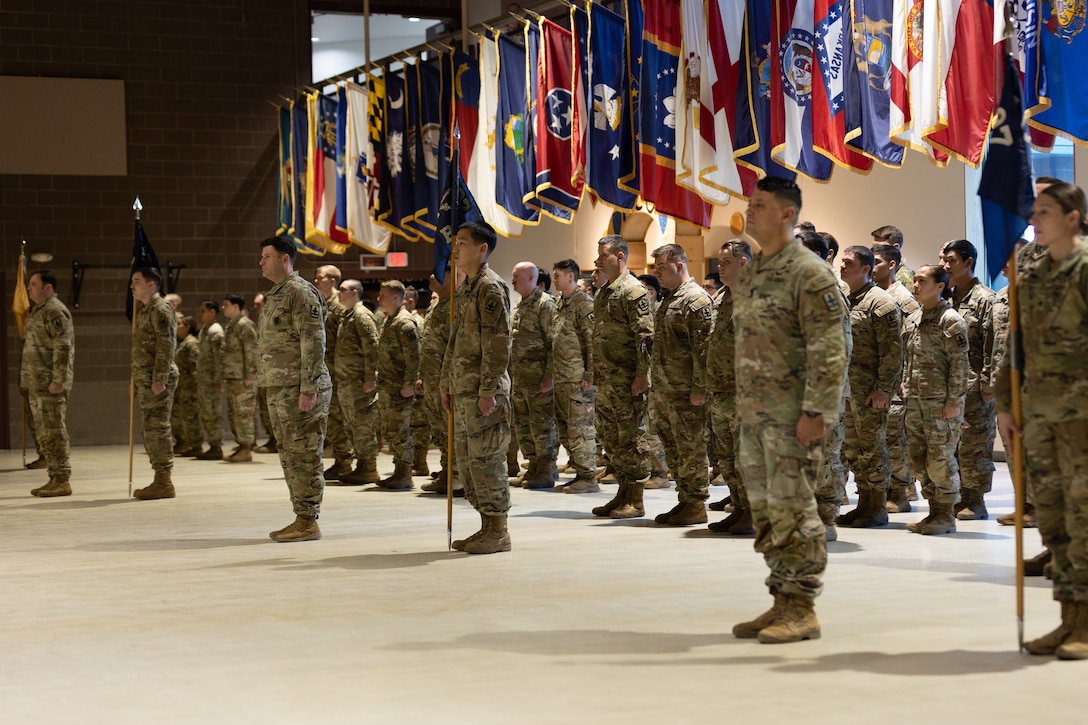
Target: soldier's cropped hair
(670, 254)
(964, 248)
(939, 275)
(804, 227)
(235, 299)
(46, 277)
(1070, 198)
(1048, 180)
(888, 253)
(738, 248)
(328, 270)
(832, 243)
(395, 286)
(814, 243)
(543, 278)
(210, 305)
(410, 293)
(715, 278)
(350, 285)
(783, 190)
(151, 274)
(282, 245)
(191, 324)
(889, 235)
(864, 255)
(568, 265)
(616, 243)
(652, 281)
(483, 233)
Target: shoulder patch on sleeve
(315, 312)
(644, 305)
(833, 300)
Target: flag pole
(455, 206)
(22, 406)
(136, 207)
(1015, 363)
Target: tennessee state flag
(868, 81)
(321, 183)
(555, 119)
(657, 112)
(916, 76)
(1064, 57)
(533, 50)
(793, 65)
(829, 91)
(466, 105)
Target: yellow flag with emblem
(20, 305)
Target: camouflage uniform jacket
(791, 345)
(478, 352)
(721, 343)
(572, 350)
(154, 339)
(935, 344)
(903, 298)
(623, 332)
(435, 336)
(532, 336)
(291, 337)
(185, 357)
(357, 346)
(1001, 328)
(1054, 322)
(332, 323)
(681, 327)
(975, 306)
(209, 366)
(240, 349)
(398, 352)
(905, 275)
(876, 331)
(49, 349)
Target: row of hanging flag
(675, 104)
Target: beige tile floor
(182, 611)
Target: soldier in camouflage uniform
(876, 362)
(791, 361)
(721, 380)
(572, 361)
(421, 431)
(432, 348)
(209, 375)
(262, 398)
(623, 334)
(678, 368)
(240, 376)
(155, 376)
(1052, 302)
(893, 236)
(655, 442)
(357, 370)
(45, 372)
(185, 414)
(532, 376)
(476, 387)
(974, 302)
(291, 366)
(901, 489)
(327, 280)
(398, 371)
(935, 374)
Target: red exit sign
(395, 260)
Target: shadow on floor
(555, 515)
(369, 562)
(70, 503)
(132, 545)
(558, 643)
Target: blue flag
(342, 131)
(868, 82)
(515, 170)
(457, 207)
(428, 178)
(285, 193)
(142, 256)
(1063, 46)
(397, 196)
(1006, 189)
(300, 159)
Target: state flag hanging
(456, 208)
(300, 157)
(433, 159)
(466, 105)
(415, 209)
(579, 22)
(1064, 56)
(515, 177)
(916, 76)
(554, 119)
(284, 196)
(397, 194)
(321, 182)
(533, 50)
(868, 82)
(832, 35)
(1026, 54)
(362, 185)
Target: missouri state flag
(867, 93)
(555, 119)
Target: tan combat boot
(942, 521)
(1075, 646)
(1009, 519)
(269, 447)
(875, 512)
(745, 526)
(723, 526)
(827, 512)
(725, 504)
(38, 463)
(161, 487)
(419, 462)
(401, 480)
(796, 622)
(214, 453)
(303, 528)
(54, 488)
(365, 472)
(658, 479)
(847, 519)
(750, 630)
(916, 527)
(583, 483)
(539, 475)
(341, 467)
(485, 523)
(898, 500)
(974, 508)
(618, 500)
(495, 538)
(1051, 641)
(244, 454)
(689, 514)
(632, 506)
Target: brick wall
(199, 76)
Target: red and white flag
(916, 76)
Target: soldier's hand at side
(445, 401)
(639, 386)
(419, 387)
(407, 392)
(1007, 427)
(949, 412)
(547, 384)
(157, 388)
(697, 398)
(368, 387)
(878, 400)
(987, 397)
(810, 430)
(55, 388)
(586, 386)
(307, 401)
(487, 405)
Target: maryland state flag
(362, 185)
(554, 119)
(20, 304)
(321, 183)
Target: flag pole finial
(137, 206)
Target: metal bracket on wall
(173, 274)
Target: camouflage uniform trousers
(1029, 487)
(50, 412)
(241, 402)
(1056, 461)
(686, 426)
(185, 417)
(932, 442)
(831, 475)
(896, 437)
(574, 414)
(262, 410)
(722, 413)
(976, 449)
(300, 437)
(780, 475)
(480, 444)
(361, 417)
(534, 421)
(28, 416)
(421, 429)
(655, 445)
(437, 419)
(337, 431)
(621, 429)
(156, 422)
(397, 417)
(866, 444)
(211, 406)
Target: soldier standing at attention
(974, 302)
(893, 236)
(421, 431)
(155, 376)
(572, 361)
(532, 375)
(398, 370)
(185, 415)
(681, 327)
(291, 366)
(935, 375)
(791, 363)
(357, 370)
(239, 375)
(209, 374)
(476, 386)
(623, 334)
(432, 346)
(327, 280)
(876, 362)
(49, 351)
(262, 399)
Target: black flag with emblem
(142, 256)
